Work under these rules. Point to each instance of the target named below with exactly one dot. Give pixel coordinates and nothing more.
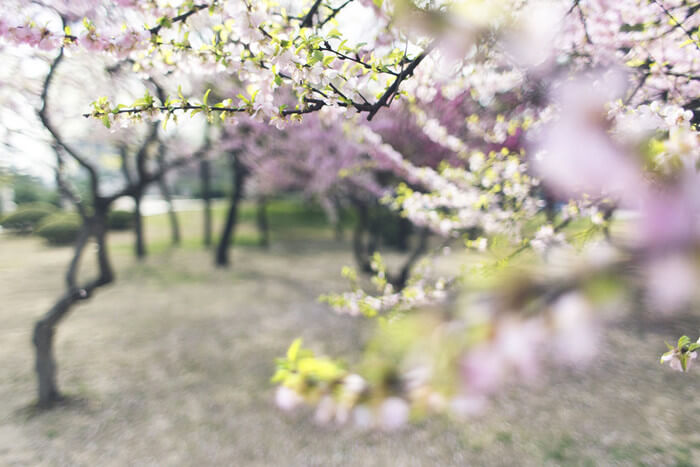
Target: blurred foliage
(60, 228)
(120, 220)
(30, 189)
(393, 230)
(293, 212)
(215, 192)
(27, 217)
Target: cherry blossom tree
(539, 122)
(52, 97)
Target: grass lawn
(170, 365)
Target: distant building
(7, 196)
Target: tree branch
(334, 13)
(308, 19)
(399, 79)
(43, 116)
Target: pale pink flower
(577, 154)
(576, 337)
(673, 358)
(483, 369)
(468, 405)
(519, 343)
(325, 410)
(393, 413)
(671, 282)
(287, 399)
(669, 218)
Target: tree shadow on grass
(66, 402)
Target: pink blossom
(576, 336)
(520, 344)
(673, 358)
(468, 405)
(577, 155)
(393, 414)
(325, 410)
(287, 399)
(669, 218)
(483, 369)
(671, 282)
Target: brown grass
(171, 366)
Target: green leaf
(252, 96)
(206, 97)
(293, 350)
(279, 376)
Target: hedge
(28, 217)
(60, 229)
(120, 220)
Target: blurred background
(171, 365)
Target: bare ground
(171, 366)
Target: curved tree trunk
(332, 209)
(44, 328)
(262, 222)
(404, 234)
(205, 193)
(227, 236)
(361, 250)
(399, 280)
(366, 241)
(338, 231)
(93, 226)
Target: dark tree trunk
(404, 234)
(205, 188)
(139, 242)
(93, 226)
(338, 226)
(44, 329)
(359, 247)
(399, 280)
(238, 178)
(338, 232)
(262, 222)
(374, 235)
(366, 241)
(331, 207)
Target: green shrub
(27, 217)
(28, 189)
(120, 220)
(60, 229)
(215, 192)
